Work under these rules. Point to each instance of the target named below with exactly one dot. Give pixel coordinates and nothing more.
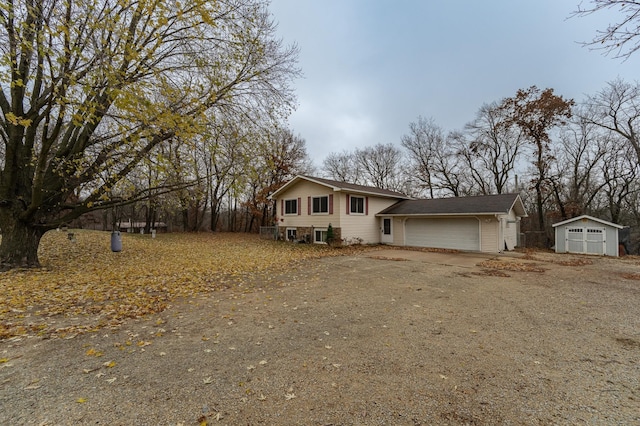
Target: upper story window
(357, 205)
(291, 206)
(320, 204)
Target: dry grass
(578, 261)
(631, 275)
(84, 286)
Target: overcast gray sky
(373, 66)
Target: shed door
(575, 240)
(589, 240)
(595, 240)
(460, 234)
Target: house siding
(303, 191)
(489, 233)
(353, 228)
(359, 226)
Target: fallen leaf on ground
(510, 265)
(93, 352)
(33, 387)
(102, 289)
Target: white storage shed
(587, 235)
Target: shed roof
(482, 204)
(341, 187)
(587, 217)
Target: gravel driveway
(381, 338)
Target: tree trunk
(185, 219)
(19, 246)
(539, 205)
(215, 213)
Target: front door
(387, 231)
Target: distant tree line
(231, 173)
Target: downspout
(501, 242)
(404, 231)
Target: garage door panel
(575, 240)
(460, 234)
(588, 240)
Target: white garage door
(460, 234)
(589, 240)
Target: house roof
(587, 217)
(340, 187)
(483, 204)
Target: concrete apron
(464, 259)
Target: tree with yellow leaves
(89, 89)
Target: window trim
(319, 197)
(295, 233)
(351, 211)
(323, 231)
(295, 202)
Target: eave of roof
(341, 187)
(585, 216)
(458, 206)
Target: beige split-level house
(363, 214)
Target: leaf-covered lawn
(84, 286)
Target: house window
(357, 205)
(320, 236)
(291, 234)
(320, 204)
(291, 207)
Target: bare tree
(342, 167)
(424, 141)
(276, 158)
(575, 177)
(620, 182)
(617, 109)
(381, 166)
(621, 39)
(493, 146)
